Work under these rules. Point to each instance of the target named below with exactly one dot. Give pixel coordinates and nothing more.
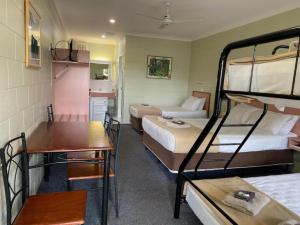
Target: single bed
(170, 144)
(138, 111)
(282, 189)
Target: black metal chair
(115, 137)
(107, 121)
(87, 171)
(48, 156)
(53, 208)
(50, 113)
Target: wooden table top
(68, 137)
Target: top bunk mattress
(267, 74)
(180, 140)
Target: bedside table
(294, 143)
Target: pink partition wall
(71, 89)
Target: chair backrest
(114, 136)
(14, 167)
(107, 122)
(50, 113)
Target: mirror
(100, 70)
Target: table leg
(47, 159)
(105, 187)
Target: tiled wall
(24, 93)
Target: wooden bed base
(242, 160)
(137, 122)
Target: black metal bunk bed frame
(222, 94)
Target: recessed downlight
(112, 21)
(103, 35)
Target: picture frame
(32, 36)
(159, 67)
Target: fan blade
(149, 17)
(187, 21)
(163, 25)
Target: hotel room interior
(162, 112)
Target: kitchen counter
(109, 95)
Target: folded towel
(252, 208)
(290, 222)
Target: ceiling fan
(167, 19)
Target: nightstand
(294, 143)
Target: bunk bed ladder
(239, 145)
(214, 135)
(246, 137)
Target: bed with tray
(268, 145)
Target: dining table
(65, 137)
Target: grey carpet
(146, 189)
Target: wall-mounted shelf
(70, 62)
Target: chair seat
(54, 208)
(89, 155)
(81, 171)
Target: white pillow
(272, 122)
(192, 103)
(240, 114)
(201, 104)
(289, 125)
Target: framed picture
(159, 67)
(32, 36)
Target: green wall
(138, 88)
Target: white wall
(120, 54)
(138, 88)
(24, 93)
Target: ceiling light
(112, 21)
(103, 35)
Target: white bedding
(177, 111)
(270, 77)
(283, 188)
(259, 140)
(174, 111)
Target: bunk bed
(138, 111)
(244, 80)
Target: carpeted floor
(146, 189)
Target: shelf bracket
(61, 73)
